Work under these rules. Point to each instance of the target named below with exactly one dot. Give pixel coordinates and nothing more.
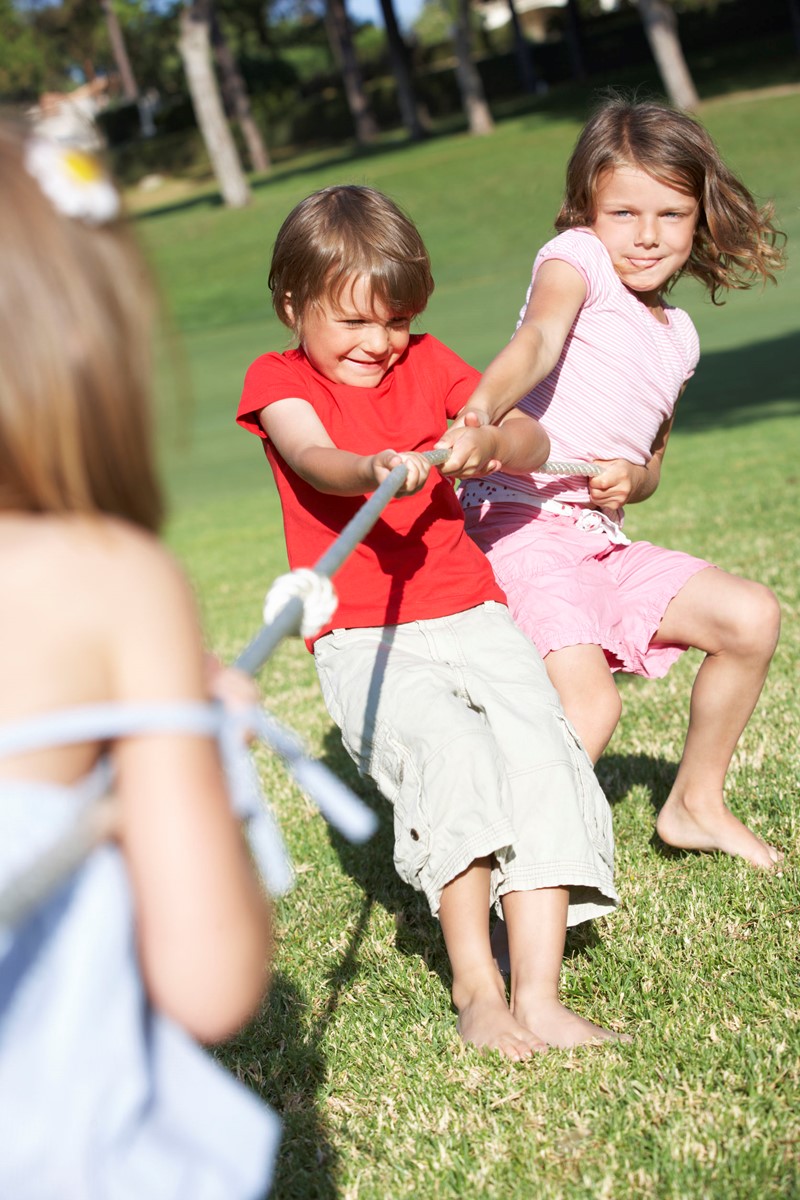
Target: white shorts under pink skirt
(568, 586)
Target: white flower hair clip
(73, 181)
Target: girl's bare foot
(709, 828)
(485, 1021)
(561, 1027)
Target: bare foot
(561, 1027)
(713, 828)
(485, 1020)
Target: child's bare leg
(588, 694)
(736, 622)
(537, 926)
(479, 994)
(592, 705)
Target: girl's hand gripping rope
(474, 446)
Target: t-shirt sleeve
(586, 253)
(271, 377)
(446, 374)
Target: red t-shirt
(417, 562)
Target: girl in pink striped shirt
(600, 359)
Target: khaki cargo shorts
(457, 723)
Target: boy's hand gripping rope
(281, 622)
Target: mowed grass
(356, 1046)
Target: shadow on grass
(618, 773)
(743, 386)
(280, 1058)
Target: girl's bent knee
(756, 626)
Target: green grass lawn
(357, 1044)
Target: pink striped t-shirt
(618, 377)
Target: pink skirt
(569, 587)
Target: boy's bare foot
(709, 828)
(485, 1021)
(561, 1027)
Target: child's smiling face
(356, 339)
(646, 226)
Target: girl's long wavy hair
(76, 307)
(735, 242)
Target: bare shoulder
(92, 609)
(116, 565)
(149, 614)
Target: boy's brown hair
(75, 371)
(735, 242)
(341, 233)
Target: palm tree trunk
(399, 59)
(473, 97)
(661, 27)
(341, 39)
(120, 52)
(237, 100)
(525, 65)
(194, 44)
(574, 41)
(794, 11)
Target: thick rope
(568, 468)
(288, 620)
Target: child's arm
(558, 292)
(203, 922)
(303, 442)
(517, 444)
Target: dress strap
(99, 722)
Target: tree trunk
(119, 50)
(399, 59)
(794, 11)
(574, 41)
(526, 67)
(236, 97)
(473, 97)
(194, 44)
(661, 27)
(341, 39)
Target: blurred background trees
(294, 75)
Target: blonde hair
(735, 243)
(76, 307)
(345, 232)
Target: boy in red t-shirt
(440, 699)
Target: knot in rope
(315, 591)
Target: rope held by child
(304, 600)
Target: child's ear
(288, 308)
